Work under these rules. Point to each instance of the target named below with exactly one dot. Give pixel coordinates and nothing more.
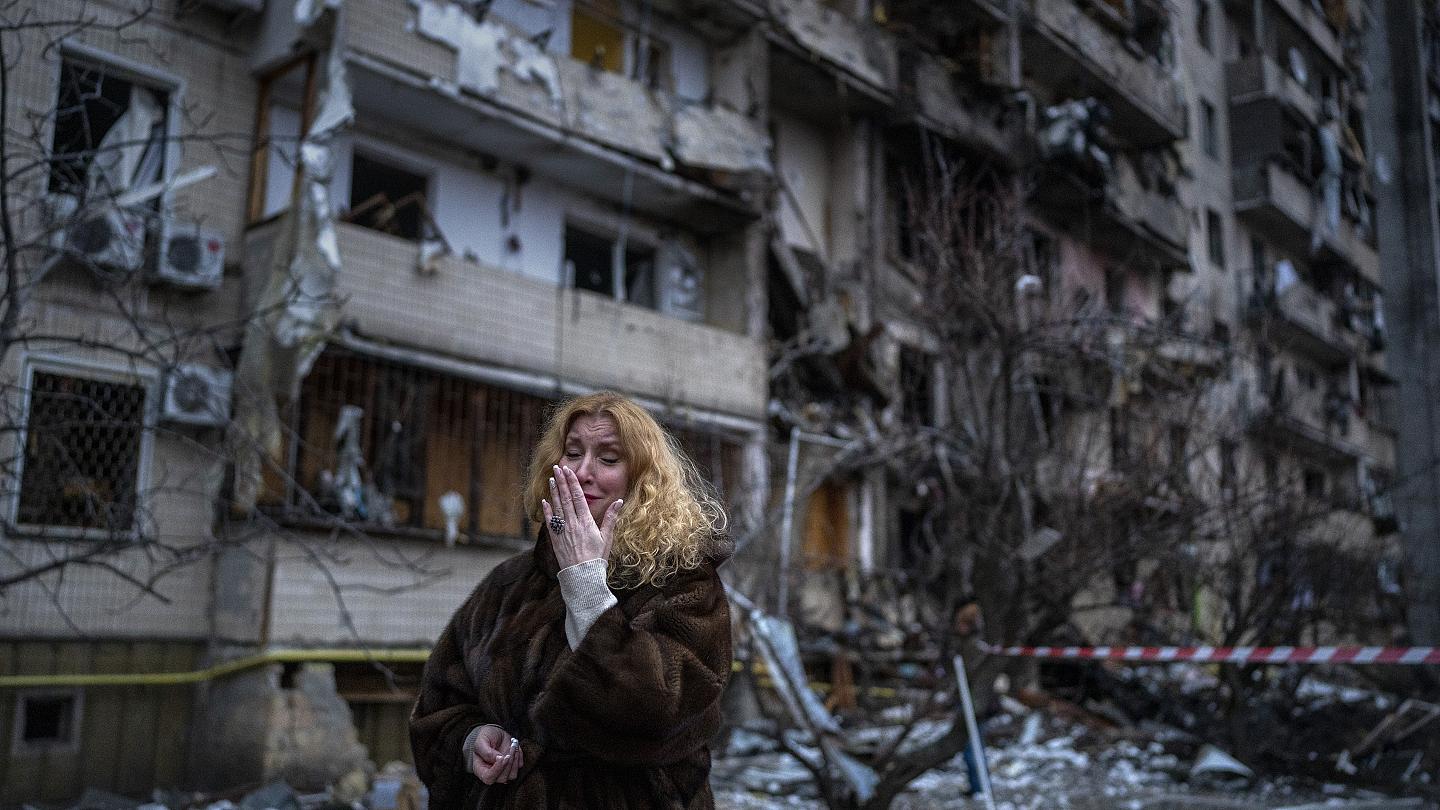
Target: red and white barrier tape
(1231, 655)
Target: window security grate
(82, 453)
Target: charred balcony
(1303, 319)
(491, 87)
(1272, 197)
(1086, 48)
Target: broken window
(1215, 238)
(387, 198)
(47, 721)
(83, 445)
(110, 133)
(601, 38)
(917, 386)
(664, 277)
(1209, 135)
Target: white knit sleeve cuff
(586, 596)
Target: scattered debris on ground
(1057, 757)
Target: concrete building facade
(532, 199)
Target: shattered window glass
(82, 453)
(387, 198)
(110, 134)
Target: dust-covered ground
(1039, 763)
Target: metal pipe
(397, 656)
(977, 748)
(787, 528)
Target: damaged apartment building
(354, 248)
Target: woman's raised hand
(497, 758)
(581, 540)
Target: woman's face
(592, 451)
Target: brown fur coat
(621, 722)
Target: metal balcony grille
(82, 453)
(424, 434)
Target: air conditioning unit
(197, 394)
(100, 236)
(186, 255)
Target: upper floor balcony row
(1271, 196)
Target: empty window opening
(1209, 130)
(82, 453)
(110, 133)
(917, 386)
(1215, 238)
(1203, 33)
(47, 721)
(593, 259)
(1316, 485)
(387, 198)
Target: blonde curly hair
(671, 519)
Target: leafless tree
(1082, 458)
(96, 238)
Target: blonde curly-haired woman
(587, 672)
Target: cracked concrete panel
(615, 111)
(937, 100)
(840, 39)
(484, 49)
(720, 139)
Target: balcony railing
(1261, 78)
(476, 313)
(1288, 209)
(487, 86)
(1069, 44)
(1310, 322)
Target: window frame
(133, 72)
(1215, 238)
(19, 747)
(1209, 129)
(98, 371)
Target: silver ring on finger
(557, 526)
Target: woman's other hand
(497, 758)
(582, 540)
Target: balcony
(861, 50)
(430, 68)
(1304, 14)
(1298, 422)
(479, 314)
(1274, 200)
(940, 105)
(1072, 52)
(1303, 319)
(1261, 79)
(1128, 216)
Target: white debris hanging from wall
(297, 307)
